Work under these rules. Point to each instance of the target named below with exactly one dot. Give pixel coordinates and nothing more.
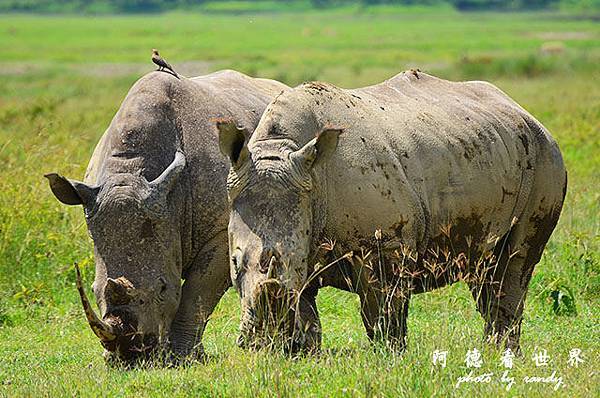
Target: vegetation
(129, 6)
(61, 81)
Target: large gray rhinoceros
(435, 181)
(156, 208)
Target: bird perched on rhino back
(162, 64)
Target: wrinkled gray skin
(439, 167)
(156, 208)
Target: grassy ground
(62, 79)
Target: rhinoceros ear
(319, 148)
(71, 192)
(233, 141)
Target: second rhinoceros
(155, 204)
(435, 181)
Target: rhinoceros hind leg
(501, 296)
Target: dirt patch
(552, 48)
(19, 68)
(563, 35)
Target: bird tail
(172, 70)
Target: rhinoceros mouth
(132, 348)
(269, 321)
(279, 320)
(129, 354)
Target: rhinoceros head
(137, 251)
(270, 188)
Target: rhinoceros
(387, 191)
(155, 204)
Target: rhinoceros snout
(130, 343)
(268, 292)
(271, 315)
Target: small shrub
(32, 295)
(563, 301)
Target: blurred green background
(132, 6)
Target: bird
(162, 64)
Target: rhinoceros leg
(307, 331)
(501, 312)
(385, 319)
(205, 283)
(501, 299)
(384, 305)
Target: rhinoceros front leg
(384, 306)
(205, 283)
(386, 318)
(307, 327)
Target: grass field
(61, 81)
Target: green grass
(62, 79)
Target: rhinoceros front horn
(103, 330)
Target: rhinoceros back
(422, 154)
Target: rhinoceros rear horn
(165, 182)
(118, 291)
(103, 330)
(71, 192)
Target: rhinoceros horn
(163, 183)
(103, 330)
